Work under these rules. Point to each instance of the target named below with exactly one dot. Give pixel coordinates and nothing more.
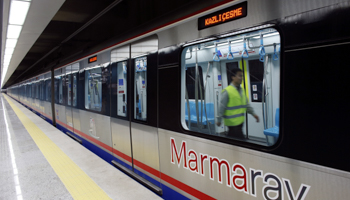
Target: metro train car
(150, 105)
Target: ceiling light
(9, 51)
(11, 43)
(18, 12)
(7, 57)
(7, 63)
(13, 31)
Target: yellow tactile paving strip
(77, 182)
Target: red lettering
(220, 163)
(242, 177)
(203, 157)
(207, 22)
(195, 168)
(182, 152)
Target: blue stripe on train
(168, 193)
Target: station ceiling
(78, 27)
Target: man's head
(237, 76)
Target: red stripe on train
(196, 193)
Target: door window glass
(121, 88)
(75, 71)
(230, 87)
(69, 89)
(75, 82)
(48, 90)
(140, 89)
(93, 89)
(60, 89)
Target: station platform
(37, 161)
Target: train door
(134, 113)
(144, 131)
(120, 108)
(74, 93)
(69, 92)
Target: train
(149, 105)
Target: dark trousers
(236, 131)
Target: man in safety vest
(233, 106)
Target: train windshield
(231, 87)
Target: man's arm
(250, 110)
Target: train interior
(206, 71)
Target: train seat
(193, 118)
(274, 131)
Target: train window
(230, 87)
(75, 70)
(119, 58)
(44, 86)
(69, 88)
(60, 89)
(121, 88)
(33, 90)
(75, 84)
(59, 86)
(140, 89)
(56, 82)
(93, 89)
(29, 90)
(48, 90)
(38, 90)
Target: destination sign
(92, 59)
(223, 16)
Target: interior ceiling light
(226, 43)
(18, 12)
(266, 35)
(13, 31)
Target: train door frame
(145, 133)
(69, 105)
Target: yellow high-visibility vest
(236, 107)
